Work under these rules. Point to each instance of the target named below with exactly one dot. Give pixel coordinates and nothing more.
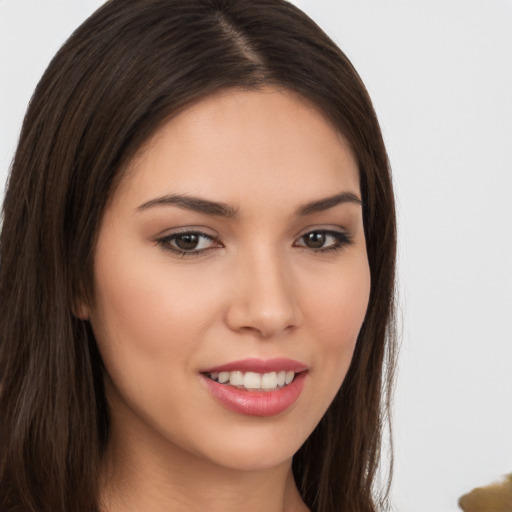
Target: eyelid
(201, 230)
(165, 241)
(342, 236)
(324, 228)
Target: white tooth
(281, 378)
(214, 375)
(269, 380)
(289, 377)
(252, 380)
(236, 378)
(223, 377)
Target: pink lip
(256, 403)
(260, 366)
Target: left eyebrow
(196, 204)
(326, 203)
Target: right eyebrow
(192, 203)
(326, 203)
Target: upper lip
(260, 366)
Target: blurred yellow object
(491, 498)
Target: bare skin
(161, 486)
(274, 266)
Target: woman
(197, 269)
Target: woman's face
(230, 261)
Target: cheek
(337, 315)
(150, 324)
(339, 307)
(149, 321)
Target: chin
(256, 447)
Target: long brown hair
(131, 66)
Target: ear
(81, 310)
(80, 307)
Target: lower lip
(257, 403)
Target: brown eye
(314, 240)
(324, 240)
(187, 241)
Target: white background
(440, 75)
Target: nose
(265, 300)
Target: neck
(141, 474)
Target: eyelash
(167, 241)
(341, 240)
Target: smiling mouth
(252, 381)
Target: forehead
(269, 141)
